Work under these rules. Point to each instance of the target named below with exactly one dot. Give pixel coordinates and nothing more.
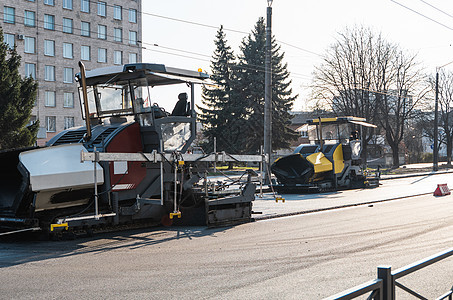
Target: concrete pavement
(399, 187)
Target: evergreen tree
(249, 84)
(219, 114)
(17, 97)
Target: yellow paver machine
(330, 161)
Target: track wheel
(166, 221)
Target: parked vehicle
(332, 159)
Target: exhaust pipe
(87, 137)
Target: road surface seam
(333, 207)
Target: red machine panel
(126, 175)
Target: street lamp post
(268, 92)
(436, 121)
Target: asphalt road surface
(310, 256)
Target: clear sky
(304, 28)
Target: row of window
(10, 13)
(51, 122)
(85, 27)
(49, 73)
(50, 99)
(68, 50)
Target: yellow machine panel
(338, 159)
(320, 162)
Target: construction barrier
(442, 190)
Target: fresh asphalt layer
(392, 187)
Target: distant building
(298, 124)
(53, 35)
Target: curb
(389, 177)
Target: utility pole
(436, 121)
(268, 93)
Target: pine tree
(219, 114)
(17, 97)
(250, 86)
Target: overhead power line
(420, 14)
(213, 27)
(94, 34)
(436, 8)
(193, 23)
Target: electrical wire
(213, 27)
(216, 27)
(420, 14)
(94, 34)
(383, 93)
(438, 9)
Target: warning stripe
(125, 186)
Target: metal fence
(383, 288)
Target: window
(132, 58)
(102, 32)
(51, 124)
(32, 120)
(68, 122)
(67, 50)
(118, 35)
(102, 9)
(49, 48)
(85, 29)
(102, 55)
(29, 18)
(68, 75)
(68, 100)
(117, 57)
(30, 70)
(117, 12)
(67, 4)
(49, 99)
(9, 40)
(49, 2)
(67, 25)
(132, 15)
(9, 14)
(85, 53)
(49, 22)
(85, 6)
(29, 44)
(49, 73)
(133, 37)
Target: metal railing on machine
(383, 288)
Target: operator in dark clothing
(181, 107)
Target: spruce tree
(220, 114)
(249, 85)
(17, 97)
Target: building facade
(52, 36)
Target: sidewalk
(393, 187)
(424, 183)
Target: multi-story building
(53, 35)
